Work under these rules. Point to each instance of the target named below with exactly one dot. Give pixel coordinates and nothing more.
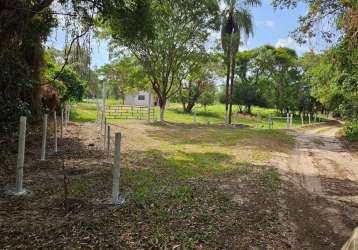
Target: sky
(270, 27)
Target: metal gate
(130, 112)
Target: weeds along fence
(65, 116)
(116, 198)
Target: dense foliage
(178, 29)
(351, 131)
(196, 82)
(272, 77)
(26, 25)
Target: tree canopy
(179, 29)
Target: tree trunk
(162, 103)
(240, 109)
(231, 87)
(184, 106)
(227, 83)
(189, 107)
(162, 109)
(227, 88)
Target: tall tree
(335, 14)
(236, 19)
(179, 29)
(195, 78)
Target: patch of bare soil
(321, 191)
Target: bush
(10, 114)
(351, 131)
(68, 83)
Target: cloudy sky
(271, 27)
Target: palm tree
(236, 19)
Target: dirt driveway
(323, 170)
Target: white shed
(140, 98)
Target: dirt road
(325, 175)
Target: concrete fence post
(302, 122)
(291, 120)
(55, 129)
(315, 117)
(270, 122)
(97, 108)
(288, 121)
(68, 113)
(309, 118)
(65, 110)
(108, 140)
(258, 118)
(116, 199)
(61, 132)
(104, 134)
(44, 134)
(21, 155)
(103, 105)
(149, 105)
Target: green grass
(186, 153)
(86, 111)
(171, 179)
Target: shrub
(351, 131)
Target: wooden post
(61, 123)
(44, 134)
(21, 155)
(116, 168)
(108, 140)
(55, 128)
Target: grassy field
(86, 111)
(184, 184)
(187, 186)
